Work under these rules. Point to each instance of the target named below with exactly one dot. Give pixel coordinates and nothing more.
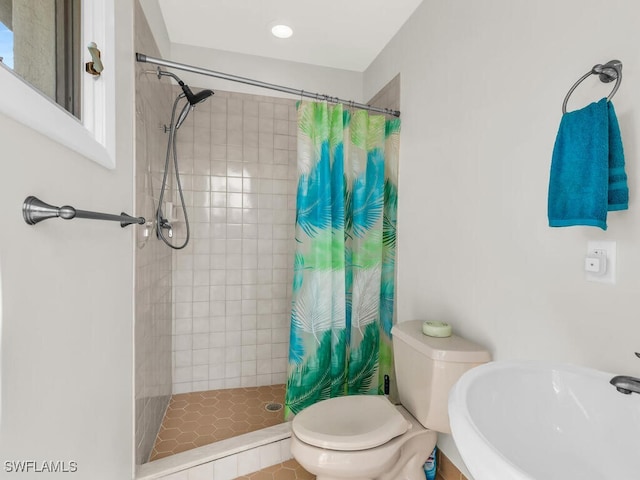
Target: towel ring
(608, 72)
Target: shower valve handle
(165, 225)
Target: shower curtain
(344, 267)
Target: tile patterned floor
(200, 418)
(289, 470)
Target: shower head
(193, 98)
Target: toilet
(366, 437)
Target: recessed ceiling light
(281, 31)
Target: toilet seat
(355, 422)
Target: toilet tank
(426, 369)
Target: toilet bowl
(366, 437)
(360, 437)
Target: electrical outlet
(600, 262)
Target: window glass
(6, 45)
(40, 42)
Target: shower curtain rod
(141, 57)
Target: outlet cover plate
(610, 248)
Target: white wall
(481, 95)
(335, 82)
(67, 296)
(345, 84)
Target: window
(44, 85)
(42, 45)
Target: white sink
(537, 421)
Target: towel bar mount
(610, 71)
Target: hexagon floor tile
(289, 470)
(200, 418)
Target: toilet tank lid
(447, 349)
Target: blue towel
(587, 170)
(618, 189)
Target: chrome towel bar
(35, 210)
(610, 71)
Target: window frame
(94, 135)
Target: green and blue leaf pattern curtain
(344, 268)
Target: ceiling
(346, 34)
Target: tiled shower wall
(152, 259)
(232, 283)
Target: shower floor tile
(289, 470)
(200, 418)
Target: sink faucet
(625, 384)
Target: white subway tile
(249, 276)
(181, 387)
(248, 461)
(249, 292)
(264, 352)
(232, 382)
(249, 307)
(249, 337)
(200, 341)
(183, 326)
(263, 367)
(201, 324)
(233, 338)
(182, 374)
(200, 357)
(200, 309)
(249, 322)
(250, 230)
(182, 358)
(232, 370)
(200, 373)
(280, 350)
(263, 337)
(278, 365)
(216, 372)
(285, 450)
(182, 278)
(269, 454)
(280, 335)
(249, 352)
(199, 386)
(226, 468)
(182, 342)
(216, 384)
(232, 354)
(248, 368)
(234, 246)
(183, 294)
(262, 380)
(235, 277)
(234, 261)
(233, 323)
(218, 293)
(249, 381)
(216, 325)
(216, 356)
